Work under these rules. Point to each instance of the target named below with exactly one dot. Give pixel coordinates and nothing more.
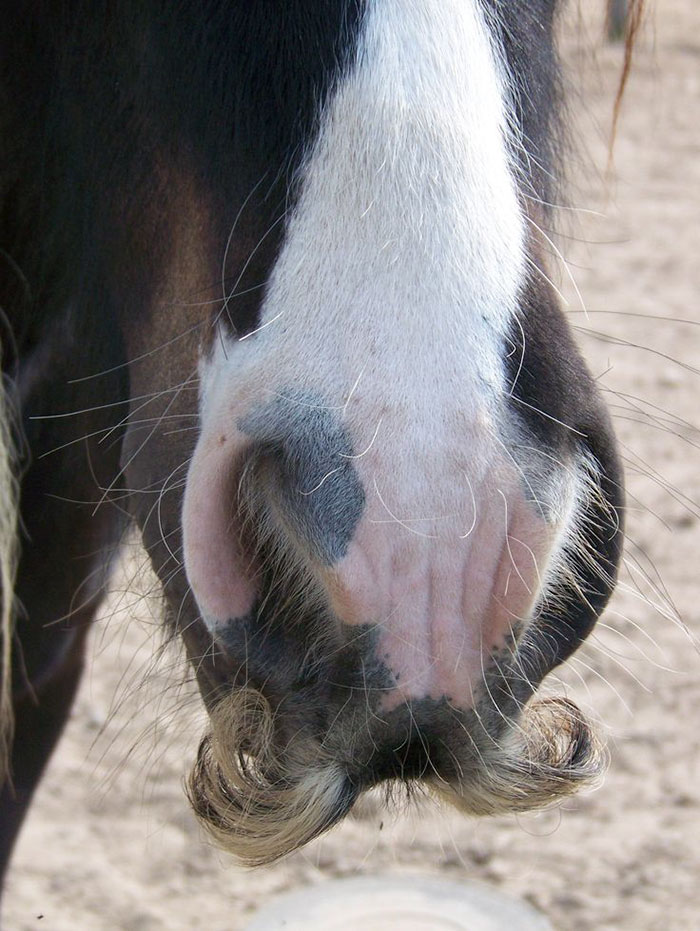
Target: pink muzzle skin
(443, 604)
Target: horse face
(402, 507)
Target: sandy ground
(110, 843)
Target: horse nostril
(302, 466)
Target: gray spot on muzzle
(315, 482)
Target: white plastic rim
(393, 903)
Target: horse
(275, 288)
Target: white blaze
(405, 249)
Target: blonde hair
(256, 802)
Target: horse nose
(430, 550)
(373, 572)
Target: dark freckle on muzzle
(305, 469)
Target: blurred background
(110, 843)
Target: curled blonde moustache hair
(256, 803)
(551, 753)
(259, 800)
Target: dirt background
(110, 843)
